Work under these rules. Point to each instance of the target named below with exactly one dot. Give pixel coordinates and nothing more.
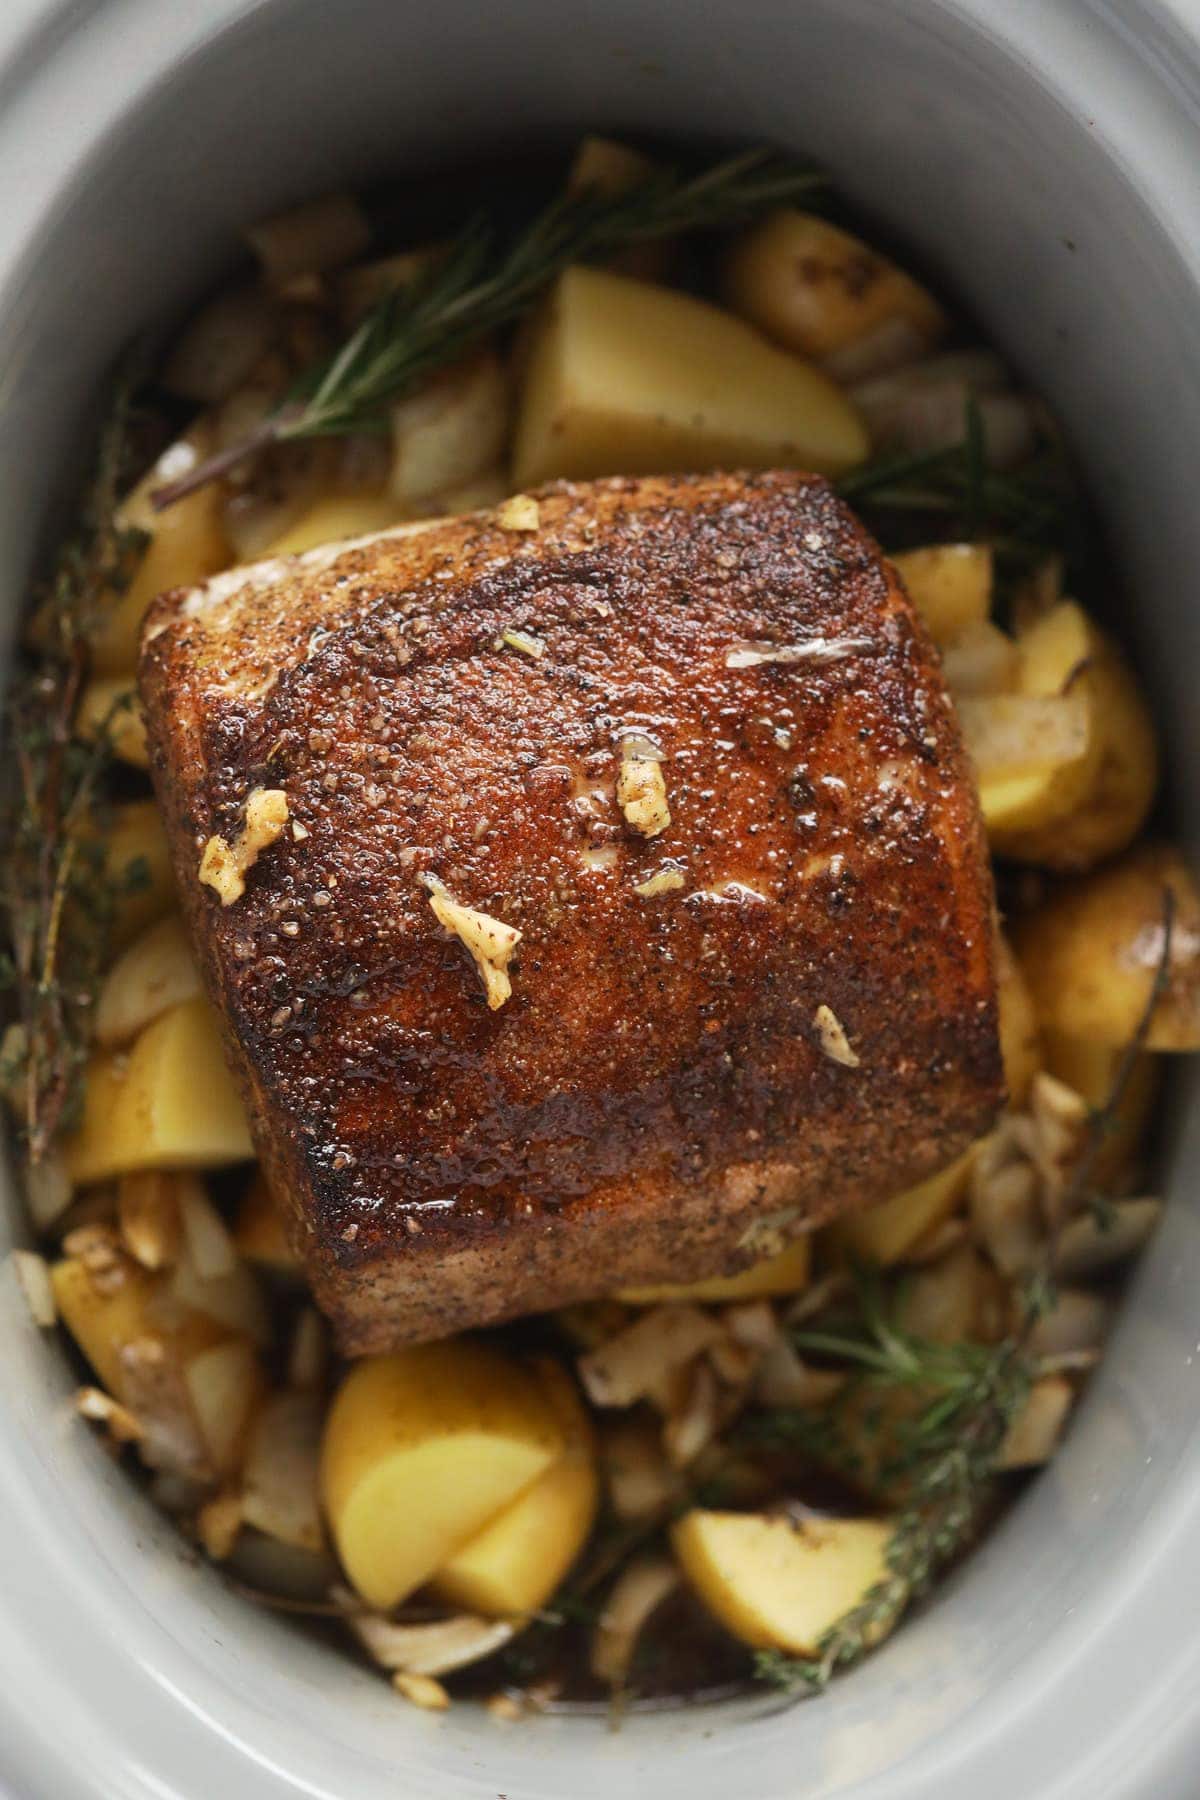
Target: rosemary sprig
(53, 863)
(945, 1447)
(482, 284)
(1024, 514)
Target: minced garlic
(520, 513)
(490, 941)
(666, 881)
(834, 1042)
(422, 1690)
(642, 793)
(522, 640)
(223, 865)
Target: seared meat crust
(656, 1100)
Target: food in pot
(516, 1130)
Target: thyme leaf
(483, 283)
(53, 874)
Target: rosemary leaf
(482, 284)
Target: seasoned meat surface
(688, 1070)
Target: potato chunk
(422, 1448)
(137, 864)
(338, 516)
(188, 544)
(516, 1562)
(171, 1103)
(785, 1273)
(817, 289)
(775, 1584)
(1090, 1069)
(155, 973)
(628, 378)
(1068, 803)
(885, 1234)
(950, 585)
(1091, 952)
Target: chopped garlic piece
(814, 650)
(834, 1041)
(522, 640)
(223, 865)
(520, 513)
(33, 1277)
(422, 1690)
(642, 793)
(94, 1403)
(666, 881)
(490, 941)
(219, 1524)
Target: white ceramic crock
(1044, 155)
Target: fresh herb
(57, 904)
(1024, 514)
(482, 284)
(940, 1449)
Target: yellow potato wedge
(603, 166)
(1091, 951)
(450, 430)
(188, 545)
(1091, 1069)
(775, 1584)
(981, 660)
(422, 1449)
(517, 1561)
(627, 378)
(170, 1103)
(1083, 793)
(101, 1323)
(816, 289)
(259, 1235)
(156, 972)
(137, 866)
(108, 708)
(338, 516)
(950, 585)
(885, 1234)
(786, 1273)
(1020, 1040)
(1123, 783)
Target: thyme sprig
(482, 283)
(963, 1398)
(54, 857)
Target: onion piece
(432, 1649)
(1086, 1244)
(220, 345)
(280, 1473)
(33, 1278)
(639, 1591)
(629, 1366)
(321, 234)
(1034, 1434)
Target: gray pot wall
(1043, 155)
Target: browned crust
(655, 1085)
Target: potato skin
(815, 288)
(1090, 953)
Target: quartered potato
(627, 378)
(109, 708)
(1090, 1069)
(1067, 763)
(517, 1561)
(818, 290)
(885, 1234)
(187, 545)
(170, 1102)
(786, 1273)
(137, 865)
(950, 585)
(1090, 953)
(338, 516)
(775, 1583)
(422, 1449)
(155, 973)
